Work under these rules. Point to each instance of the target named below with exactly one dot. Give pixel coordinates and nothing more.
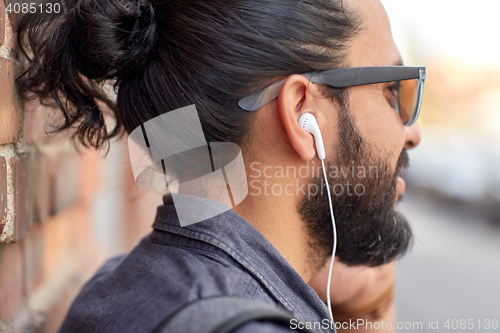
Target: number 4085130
(33, 8)
(470, 324)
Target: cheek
(330, 132)
(378, 122)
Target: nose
(412, 134)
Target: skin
(373, 47)
(279, 141)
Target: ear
(295, 99)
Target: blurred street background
(453, 192)
(453, 271)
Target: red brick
(11, 41)
(52, 183)
(12, 16)
(57, 241)
(11, 280)
(2, 23)
(65, 181)
(23, 197)
(3, 193)
(52, 255)
(9, 107)
(90, 175)
(10, 33)
(44, 185)
(33, 250)
(41, 180)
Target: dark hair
(167, 54)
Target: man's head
(365, 142)
(371, 149)
(165, 55)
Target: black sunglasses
(407, 89)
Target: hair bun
(116, 37)
(141, 40)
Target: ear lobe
(296, 98)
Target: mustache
(403, 162)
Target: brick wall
(62, 213)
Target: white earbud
(308, 123)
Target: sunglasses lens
(408, 98)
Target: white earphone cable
(328, 297)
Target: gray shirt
(174, 265)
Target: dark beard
(369, 230)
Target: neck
(276, 217)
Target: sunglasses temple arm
(258, 99)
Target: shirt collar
(235, 236)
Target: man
(381, 130)
(353, 287)
(279, 237)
